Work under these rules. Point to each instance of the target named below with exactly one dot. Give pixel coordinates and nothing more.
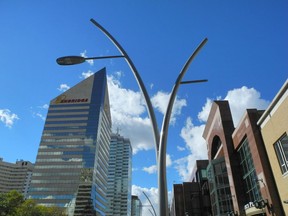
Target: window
(281, 149)
(248, 172)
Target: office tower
(74, 149)
(119, 177)
(15, 176)
(136, 206)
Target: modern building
(239, 173)
(274, 130)
(136, 206)
(119, 177)
(15, 176)
(74, 149)
(192, 198)
(186, 199)
(200, 176)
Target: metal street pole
(150, 203)
(162, 182)
(140, 83)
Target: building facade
(119, 177)
(192, 198)
(74, 149)
(200, 176)
(274, 130)
(136, 206)
(15, 176)
(186, 199)
(239, 173)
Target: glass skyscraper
(119, 177)
(72, 162)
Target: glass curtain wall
(220, 194)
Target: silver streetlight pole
(162, 182)
(159, 140)
(140, 83)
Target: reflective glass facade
(119, 177)
(74, 148)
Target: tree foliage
(14, 204)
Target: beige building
(15, 176)
(274, 129)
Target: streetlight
(72, 60)
(160, 139)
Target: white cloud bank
(160, 102)
(129, 114)
(7, 117)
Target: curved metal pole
(150, 203)
(162, 182)
(140, 83)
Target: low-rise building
(239, 173)
(274, 130)
(136, 206)
(15, 176)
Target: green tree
(13, 204)
(9, 202)
(30, 208)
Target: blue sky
(245, 61)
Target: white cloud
(87, 74)
(129, 114)
(152, 169)
(119, 74)
(45, 106)
(40, 116)
(83, 54)
(127, 110)
(244, 98)
(63, 87)
(39, 111)
(203, 115)
(160, 102)
(192, 135)
(7, 117)
(180, 148)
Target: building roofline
(276, 99)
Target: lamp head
(70, 60)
